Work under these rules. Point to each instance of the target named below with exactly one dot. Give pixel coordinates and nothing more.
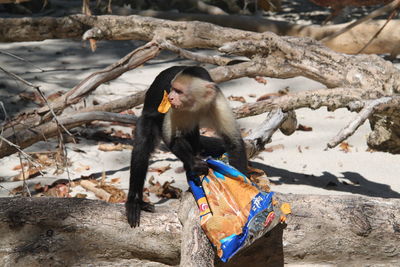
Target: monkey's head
(191, 93)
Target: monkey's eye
(177, 90)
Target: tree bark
(29, 136)
(350, 42)
(37, 29)
(385, 135)
(196, 250)
(348, 230)
(69, 232)
(276, 119)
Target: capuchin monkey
(180, 100)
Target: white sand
(302, 166)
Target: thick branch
(36, 29)
(43, 231)
(350, 42)
(73, 231)
(332, 99)
(136, 58)
(291, 57)
(42, 132)
(198, 34)
(196, 249)
(361, 117)
(256, 141)
(284, 59)
(130, 61)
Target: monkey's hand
(200, 167)
(133, 207)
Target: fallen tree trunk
(37, 29)
(349, 230)
(350, 42)
(68, 232)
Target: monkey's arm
(227, 128)
(237, 152)
(183, 148)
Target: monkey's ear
(211, 85)
(210, 91)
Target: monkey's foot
(133, 208)
(147, 207)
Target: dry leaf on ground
(112, 147)
(274, 147)
(92, 186)
(115, 180)
(273, 95)
(60, 190)
(164, 191)
(304, 128)
(259, 177)
(160, 170)
(345, 147)
(237, 98)
(260, 79)
(27, 174)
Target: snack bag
(233, 211)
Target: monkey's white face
(180, 96)
(191, 94)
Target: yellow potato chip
(165, 104)
(286, 209)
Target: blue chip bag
(234, 212)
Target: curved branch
(279, 57)
(29, 136)
(90, 83)
(134, 59)
(314, 99)
(256, 141)
(362, 116)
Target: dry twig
(362, 116)
(389, 7)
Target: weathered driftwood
(350, 42)
(29, 136)
(347, 230)
(281, 57)
(275, 120)
(385, 135)
(378, 12)
(196, 250)
(67, 232)
(364, 77)
(361, 117)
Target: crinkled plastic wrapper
(233, 211)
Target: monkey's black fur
(149, 130)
